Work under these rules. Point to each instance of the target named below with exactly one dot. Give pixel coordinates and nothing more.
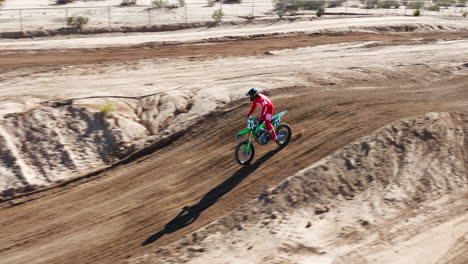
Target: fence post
(185, 13)
(21, 20)
(109, 16)
(253, 11)
(66, 16)
(149, 16)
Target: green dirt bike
(245, 150)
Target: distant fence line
(29, 19)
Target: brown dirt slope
(125, 212)
(74, 140)
(396, 169)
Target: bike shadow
(190, 214)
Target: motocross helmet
(252, 93)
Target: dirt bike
(245, 150)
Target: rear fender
(277, 118)
(280, 114)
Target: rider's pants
(267, 115)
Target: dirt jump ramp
(393, 190)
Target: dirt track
(122, 212)
(204, 49)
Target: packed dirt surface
(153, 91)
(395, 24)
(46, 18)
(187, 109)
(354, 206)
(256, 46)
(123, 212)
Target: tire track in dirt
(126, 211)
(205, 50)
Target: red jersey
(264, 101)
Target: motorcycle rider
(267, 109)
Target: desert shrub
(163, 4)
(335, 3)
(281, 7)
(217, 15)
(370, 3)
(63, 2)
(284, 6)
(416, 12)
(77, 21)
(415, 5)
(181, 3)
(433, 8)
(354, 6)
(465, 14)
(108, 109)
(248, 18)
(320, 12)
(445, 2)
(309, 5)
(128, 3)
(159, 3)
(2, 2)
(211, 3)
(388, 4)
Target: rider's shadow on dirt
(189, 214)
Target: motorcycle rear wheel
(283, 134)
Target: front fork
(247, 148)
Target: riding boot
(273, 134)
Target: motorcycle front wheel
(244, 153)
